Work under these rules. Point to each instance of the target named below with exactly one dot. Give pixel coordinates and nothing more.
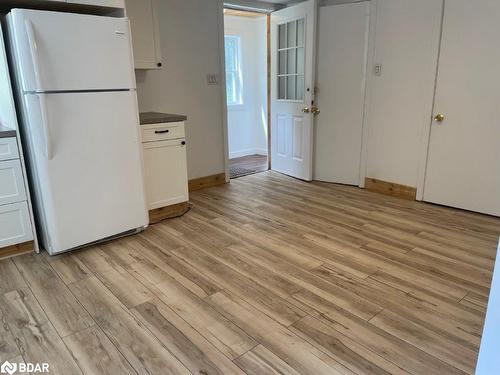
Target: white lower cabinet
(166, 173)
(15, 220)
(15, 225)
(8, 148)
(11, 182)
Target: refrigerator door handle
(30, 31)
(45, 126)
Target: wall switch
(212, 79)
(377, 69)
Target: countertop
(6, 132)
(159, 118)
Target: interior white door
(293, 41)
(71, 52)
(86, 161)
(463, 168)
(342, 53)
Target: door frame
(222, 54)
(370, 58)
(370, 61)
(427, 127)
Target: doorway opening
(246, 55)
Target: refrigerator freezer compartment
(71, 52)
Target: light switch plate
(377, 69)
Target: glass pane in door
(290, 87)
(300, 32)
(300, 60)
(282, 88)
(282, 36)
(291, 60)
(282, 62)
(292, 34)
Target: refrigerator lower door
(86, 166)
(71, 52)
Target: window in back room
(234, 79)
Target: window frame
(238, 72)
(285, 50)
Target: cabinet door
(101, 3)
(8, 148)
(165, 171)
(11, 182)
(143, 15)
(15, 226)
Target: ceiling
(259, 5)
(272, 5)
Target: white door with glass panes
(293, 33)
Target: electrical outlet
(377, 69)
(212, 79)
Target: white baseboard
(246, 152)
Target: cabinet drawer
(11, 182)
(162, 132)
(15, 225)
(165, 171)
(8, 149)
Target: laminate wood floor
(266, 275)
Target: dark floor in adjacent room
(246, 165)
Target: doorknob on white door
(306, 110)
(439, 117)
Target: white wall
(247, 124)
(399, 103)
(190, 46)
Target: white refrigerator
(76, 99)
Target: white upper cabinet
(100, 3)
(143, 15)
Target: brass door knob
(439, 117)
(306, 110)
(315, 110)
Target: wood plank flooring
(266, 275)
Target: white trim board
(426, 128)
(370, 59)
(222, 58)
